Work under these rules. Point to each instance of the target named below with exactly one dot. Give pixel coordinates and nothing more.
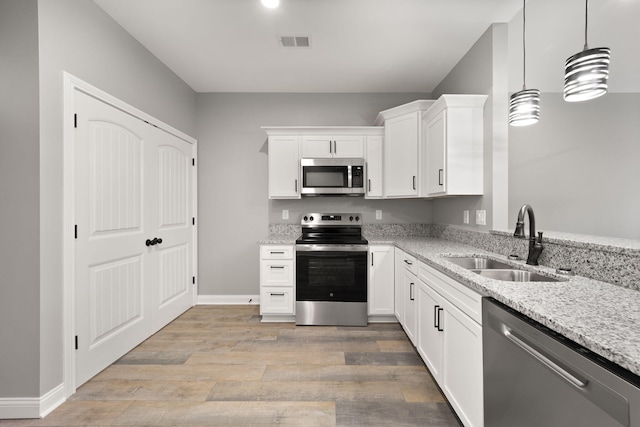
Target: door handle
(439, 325)
(440, 176)
(369, 185)
(414, 182)
(330, 149)
(280, 267)
(155, 241)
(335, 147)
(296, 186)
(276, 294)
(406, 261)
(436, 318)
(411, 297)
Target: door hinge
(76, 342)
(75, 231)
(193, 221)
(75, 120)
(194, 280)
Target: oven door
(336, 273)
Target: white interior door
(133, 185)
(172, 220)
(111, 221)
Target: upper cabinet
(289, 144)
(402, 148)
(452, 157)
(321, 146)
(284, 167)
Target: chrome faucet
(535, 245)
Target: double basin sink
(498, 270)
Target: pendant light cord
(524, 45)
(586, 23)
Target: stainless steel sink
(512, 275)
(477, 263)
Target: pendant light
(524, 106)
(586, 73)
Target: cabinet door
(381, 280)
(436, 134)
(284, 167)
(348, 146)
(410, 305)
(399, 288)
(374, 167)
(430, 329)
(462, 373)
(317, 147)
(401, 155)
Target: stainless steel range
(331, 271)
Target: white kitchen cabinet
(381, 280)
(284, 167)
(452, 158)
(405, 293)
(277, 282)
(402, 147)
(450, 341)
(430, 328)
(328, 146)
(373, 158)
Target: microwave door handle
(349, 177)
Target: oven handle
(331, 248)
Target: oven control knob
(305, 218)
(310, 218)
(350, 218)
(357, 218)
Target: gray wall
(78, 37)
(483, 70)
(579, 166)
(19, 205)
(234, 209)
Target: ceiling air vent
(294, 41)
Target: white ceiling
(368, 45)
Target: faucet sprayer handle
(539, 236)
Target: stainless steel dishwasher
(536, 377)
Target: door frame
(70, 85)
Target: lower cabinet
(381, 281)
(406, 282)
(277, 283)
(450, 342)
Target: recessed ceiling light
(271, 4)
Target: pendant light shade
(524, 106)
(586, 73)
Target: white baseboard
(31, 407)
(228, 299)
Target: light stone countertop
(602, 317)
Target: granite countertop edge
(597, 315)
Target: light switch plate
(481, 217)
(285, 213)
(378, 214)
(465, 217)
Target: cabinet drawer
(276, 300)
(409, 262)
(276, 252)
(276, 273)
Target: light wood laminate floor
(219, 366)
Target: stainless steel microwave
(332, 177)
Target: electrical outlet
(285, 213)
(481, 217)
(465, 217)
(378, 214)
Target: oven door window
(331, 276)
(325, 176)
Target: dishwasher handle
(567, 376)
